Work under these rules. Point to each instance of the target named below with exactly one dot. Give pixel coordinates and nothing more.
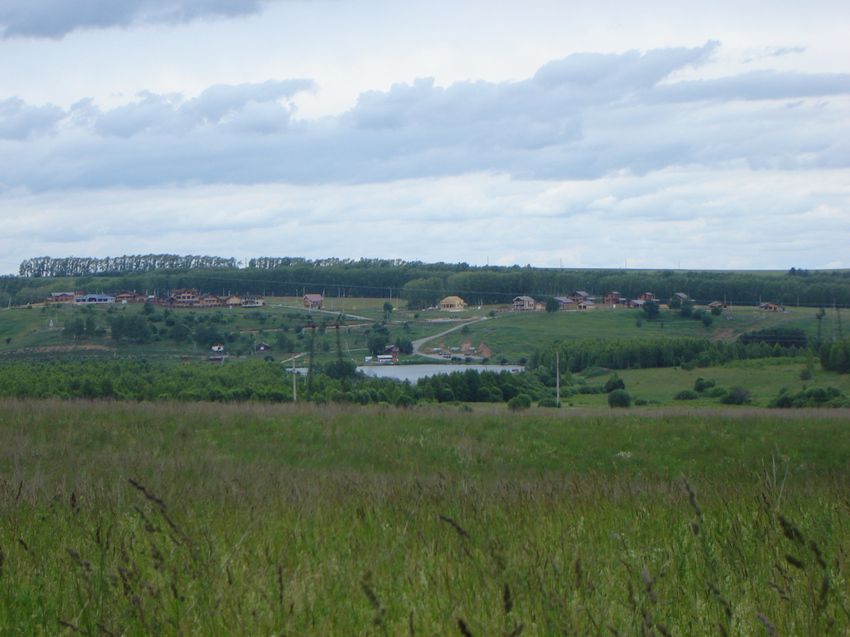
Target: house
(126, 296)
(262, 347)
(253, 300)
(184, 297)
(62, 297)
(612, 298)
(313, 301)
(579, 296)
(565, 303)
(646, 296)
(585, 305)
(771, 307)
(233, 301)
(453, 304)
(522, 303)
(218, 348)
(94, 299)
(210, 300)
(635, 303)
(719, 304)
(682, 296)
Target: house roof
(315, 298)
(524, 299)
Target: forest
(418, 284)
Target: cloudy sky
(660, 134)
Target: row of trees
(620, 353)
(83, 266)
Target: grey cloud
(237, 106)
(757, 85)
(222, 99)
(57, 18)
(579, 118)
(20, 121)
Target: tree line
(419, 284)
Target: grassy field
(763, 378)
(178, 519)
(515, 334)
(512, 336)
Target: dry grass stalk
(457, 527)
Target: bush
(619, 398)
(519, 402)
(640, 402)
(686, 394)
(718, 392)
(736, 396)
(547, 402)
(615, 382)
(806, 374)
(701, 385)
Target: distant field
(509, 335)
(515, 334)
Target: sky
(614, 134)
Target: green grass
(294, 520)
(510, 335)
(763, 378)
(516, 334)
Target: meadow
(197, 518)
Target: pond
(414, 372)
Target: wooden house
(453, 304)
(522, 303)
(313, 301)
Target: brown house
(62, 297)
(313, 301)
(522, 303)
(184, 296)
(565, 303)
(771, 307)
(210, 300)
(612, 298)
(453, 304)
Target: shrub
(519, 402)
(404, 401)
(615, 382)
(701, 385)
(640, 402)
(619, 398)
(806, 374)
(547, 402)
(736, 396)
(686, 394)
(718, 392)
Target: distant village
(582, 301)
(192, 298)
(182, 298)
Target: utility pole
(557, 380)
(294, 390)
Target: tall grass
(198, 519)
